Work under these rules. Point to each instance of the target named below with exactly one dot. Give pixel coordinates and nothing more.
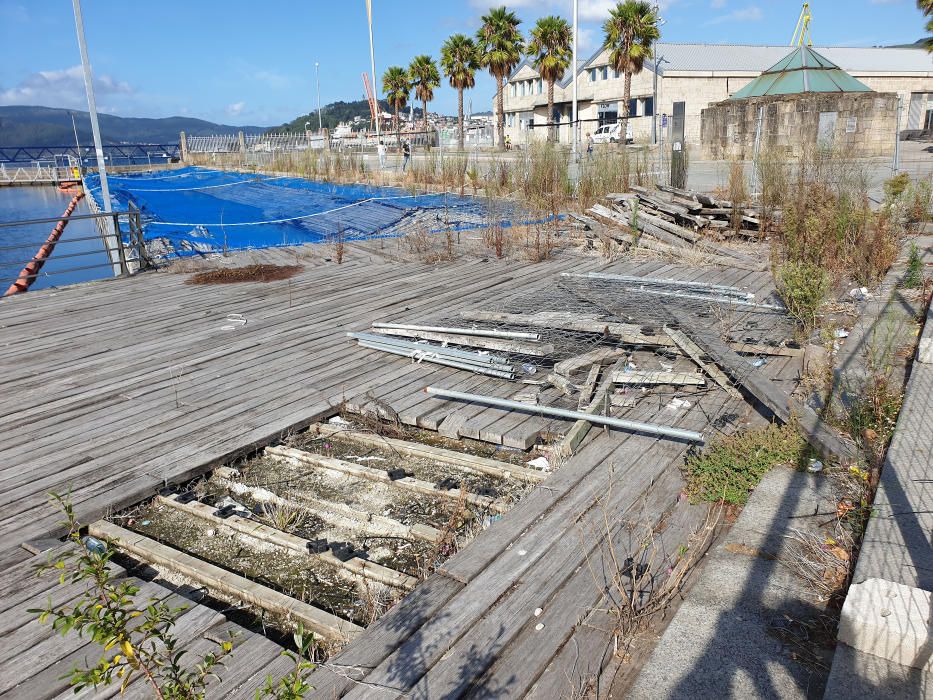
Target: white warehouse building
(690, 77)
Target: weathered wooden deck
(113, 389)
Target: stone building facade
(693, 77)
(857, 124)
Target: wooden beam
(290, 454)
(226, 582)
(693, 351)
(359, 568)
(823, 438)
(657, 377)
(459, 460)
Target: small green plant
(803, 288)
(732, 466)
(872, 415)
(896, 186)
(913, 277)
(294, 684)
(137, 640)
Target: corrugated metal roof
(748, 57)
(802, 70)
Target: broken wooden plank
(693, 351)
(589, 386)
(217, 579)
(599, 405)
(562, 383)
(599, 356)
(637, 376)
(756, 383)
(629, 333)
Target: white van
(609, 133)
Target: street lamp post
(657, 64)
(317, 72)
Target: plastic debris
(538, 612)
(815, 466)
(337, 420)
(94, 545)
(842, 333)
(860, 293)
(529, 368)
(541, 463)
(539, 626)
(677, 404)
(760, 362)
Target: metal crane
(802, 30)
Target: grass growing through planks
(804, 288)
(732, 466)
(136, 636)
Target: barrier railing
(126, 251)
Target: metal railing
(126, 250)
(39, 172)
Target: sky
(253, 63)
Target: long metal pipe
(632, 425)
(484, 332)
(437, 360)
(464, 355)
(730, 291)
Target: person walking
(381, 152)
(406, 154)
(589, 145)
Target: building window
(605, 72)
(647, 106)
(607, 113)
(512, 89)
(556, 115)
(592, 75)
(511, 119)
(540, 85)
(523, 88)
(615, 74)
(633, 107)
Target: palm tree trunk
(627, 98)
(460, 118)
(424, 114)
(398, 136)
(551, 128)
(500, 89)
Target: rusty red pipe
(28, 274)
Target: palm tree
(630, 31)
(396, 86)
(460, 59)
(926, 7)
(549, 47)
(424, 78)
(500, 46)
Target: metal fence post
(118, 239)
(897, 137)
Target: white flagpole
(372, 62)
(92, 106)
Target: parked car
(609, 133)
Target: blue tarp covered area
(193, 210)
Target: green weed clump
(730, 468)
(896, 186)
(803, 288)
(913, 277)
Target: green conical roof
(802, 70)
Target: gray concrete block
(867, 677)
(889, 620)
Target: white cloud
(752, 13)
(236, 109)
(61, 88)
